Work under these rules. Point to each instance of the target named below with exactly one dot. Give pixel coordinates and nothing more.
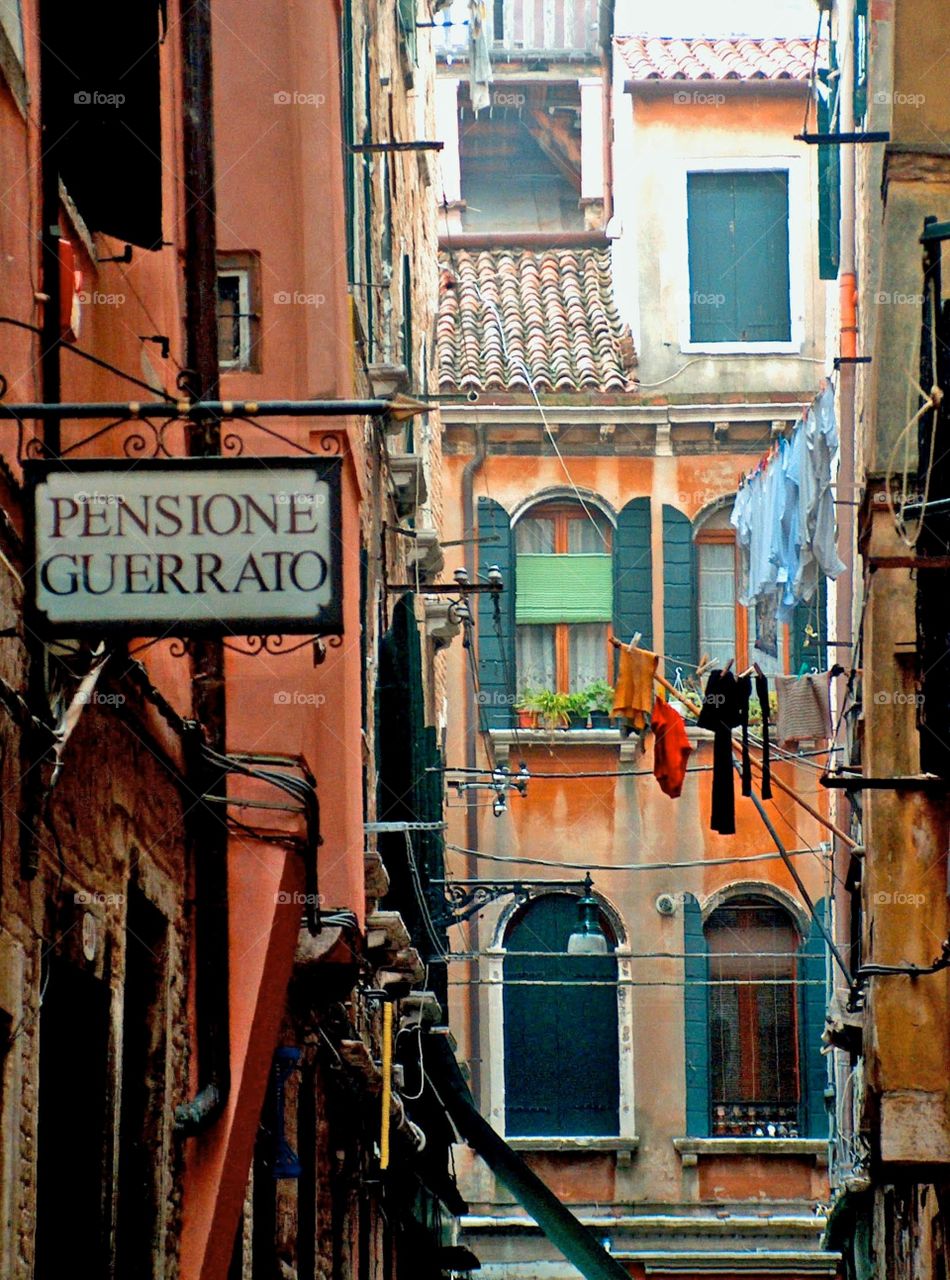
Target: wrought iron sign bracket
(462, 899)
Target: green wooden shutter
(808, 652)
(633, 573)
(763, 310)
(737, 225)
(561, 1043)
(496, 631)
(829, 180)
(680, 590)
(860, 61)
(812, 1004)
(696, 1019)
(712, 257)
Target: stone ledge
(574, 1145)
(690, 1149)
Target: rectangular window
(239, 312)
(717, 600)
(737, 227)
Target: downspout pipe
(469, 472)
(207, 826)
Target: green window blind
(680, 614)
(633, 573)
(737, 225)
(566, 588)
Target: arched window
(755, 1080)
(564, 600)
(561, 1042)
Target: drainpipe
(469, 472)
(207, 830)
(848, 343)
(847, 349)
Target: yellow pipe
(387, 1084)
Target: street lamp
(588, 939)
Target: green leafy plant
(554, 709)
(528, 700)
(600, 696)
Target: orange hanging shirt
(671, 748)
(633, 696)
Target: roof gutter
(525, 240)
(578, 1245)
(685, 84)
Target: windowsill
(741, 348)
(690, 1149)
(573, 1144)
(580, 737)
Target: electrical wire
(624, 866)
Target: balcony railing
(755, 1120)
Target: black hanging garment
(721, 713)
(762, 693)
(744, 693)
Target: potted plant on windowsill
(578, 709)
(553, 709)
(526, 709)
(600, 703)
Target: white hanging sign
(173, 547)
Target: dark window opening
(71, 1147)
(101, 80)
(561, 1041)
(141, 1191)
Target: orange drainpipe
(848, 290)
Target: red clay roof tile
(717, 58)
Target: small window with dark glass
(238, 313)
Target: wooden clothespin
(728, 665)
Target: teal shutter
(763, 308)
(496, 630)
(860, 61)
(680, 591)
(696, 1019)
(807, 651)
(737, 225)
(561, 1043)
(812, 1004)
(633, 573)
(406, 12)
(829, 179)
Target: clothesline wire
(636, 982)
(791, 757)
(626, 955)
(556, 864)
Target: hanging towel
(762, 693)
(720, 712)
(671, 748)
(479, 63)
(633, 696)
(804, 707)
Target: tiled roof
(712, 58)
(512, 317)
